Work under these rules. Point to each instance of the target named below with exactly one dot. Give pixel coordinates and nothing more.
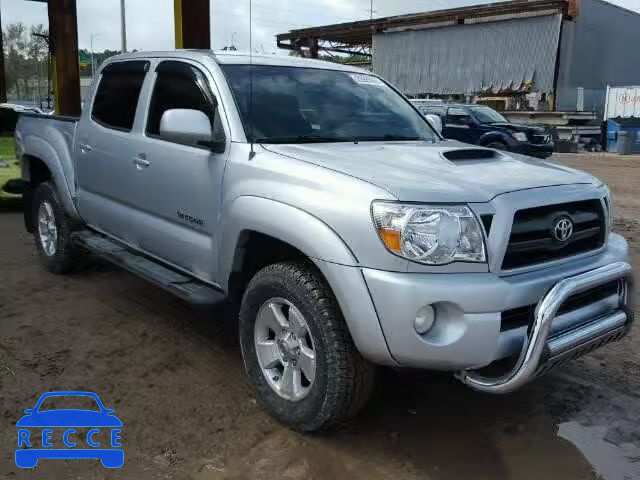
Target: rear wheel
(297, 349)
(52, 231)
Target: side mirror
(435, 121)
(188, 126)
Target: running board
(181, 285)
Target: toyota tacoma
(350, 232)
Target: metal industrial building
(556, 55)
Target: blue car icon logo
(32, 446)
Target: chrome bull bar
(537, 355)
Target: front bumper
(542, 150)
(541, 351)
(467, 333)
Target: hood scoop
(470, 154)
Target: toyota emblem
(563, 229)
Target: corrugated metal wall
(600, 48)
(467, 59)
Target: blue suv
(481, 125)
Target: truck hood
(418, 171)
(518, 127)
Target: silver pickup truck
(350, 232)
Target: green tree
(99, 57)
(26, 61)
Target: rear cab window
(117, 96)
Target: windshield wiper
(388, 138)
(320, 139)
(301, 139)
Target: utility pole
(93, 61)
(123, 26)
(370, 10)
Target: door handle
(84, 148)
(141, 162)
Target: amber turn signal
(391, 239)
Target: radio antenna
(252, 153)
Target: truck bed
(49, 139)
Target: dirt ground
(176, 380)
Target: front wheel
(497, 146)
(297, 349)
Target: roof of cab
(239, 58)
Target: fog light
(424, 320)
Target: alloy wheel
(285, 349)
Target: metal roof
(351, 36)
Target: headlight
(430, 234)
(520, 136)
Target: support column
(313, 48)
(192, 23)
(3, 80)
(63, 35)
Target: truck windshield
(487, 115)
(306, 105)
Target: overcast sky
(150, 22)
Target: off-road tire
(66, 257)
(344, 379)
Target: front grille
(532, 238)
(579, 300)
(517, 318)
(524, 316)
(578, 352)
(487, 222)
(540, 138)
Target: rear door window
(116, 99)
(458, 116)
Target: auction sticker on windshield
(362, 79)
(51, 430)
